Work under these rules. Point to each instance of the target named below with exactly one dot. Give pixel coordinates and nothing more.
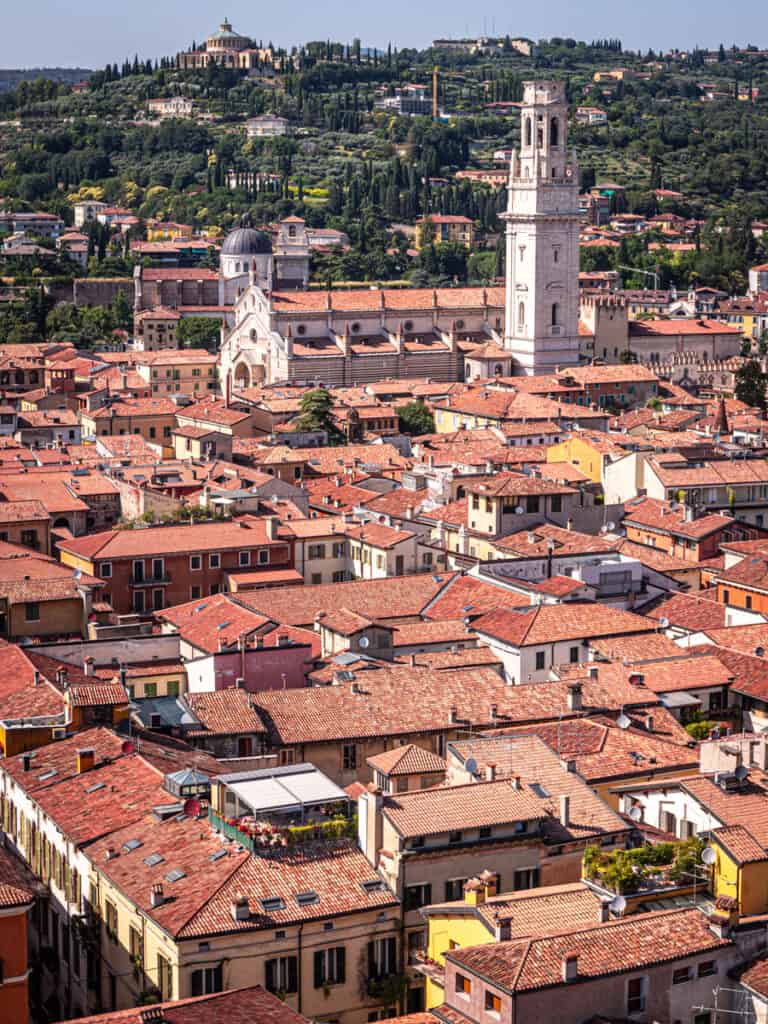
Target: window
(556, 503)
(214, 561)
(206, 981)
(525, 878)
(492, 1002)
(281, 974)
(164, 977)
(135, 943)
(484, 832)
(531, 503)
(110, 920)
(330, 966)
(555, 314)
(454, 889)
(726, 597)
(417, 896)
(316, 551)
(350, 756)
(263, 557)
(338, 550)
(316, 578)
(540, 660)
(244, 558)
(748, 601)
(158, 568)
(463, 985)
(32, 611)
(635, 995)
(382, 958)
(573, 655)
(455, 836)
(195, 592)
(680, 975)
(150, 689)
(521, 312)
(707, 968)
(195, 562)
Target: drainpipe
(298, 968)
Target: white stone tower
(542, 237)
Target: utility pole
(645, 273)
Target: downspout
(298, 967)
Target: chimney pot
(453, 715)
(490, 773)
(570, 966)
(156, 897)
(574, 697)
(565, 810)
(516, 784)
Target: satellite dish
(636, 813)
(192, 807)
(603, 529)
(610, 526)
(760, 652)
(127, 747)
(741, 772)
(77, 574)
(519, 510)
(364, 642)
(471, 765)
(664, 622)
(708, 856)
(618, 905)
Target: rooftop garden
(661, 866)
(257, 835)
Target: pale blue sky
(89, 33)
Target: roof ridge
(212, 894)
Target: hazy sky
(89, 33)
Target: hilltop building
(226, 48)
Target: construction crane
(436, 72)
(646, 273)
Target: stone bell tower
(541, 327)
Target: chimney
(412, 660)
(86, 760)
(156, 898)
(36, 678)
(565, 810)
(604, 911)
(258, 641)
(26, 761)
(490, 882)
(568, 765)
(490, 773)
(88, 664)
(354, 688)
(272, 524)
(239, 683)
(494, 712)
(474, 892)
(453, 715)
(283, 639)
(516, 784)
(110, 853)
(570, 967)
(123, 675)
(574, 697)
(649, 723)
(240, 909)
(593, 671)
(62, 676)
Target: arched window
(528, 131)
(521, 314)
(497, 370)
(237, 268)
(555, 314)
(554, 132)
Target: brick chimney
(156, 897)
(88, 664)
(574, 697)
(86, 760)
(570, 966)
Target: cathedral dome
(246, 242)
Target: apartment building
(187, 371)
(147, 569)
(151, 418)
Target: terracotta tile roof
(750, 673)
(224, 712)
(432, 811)
(755, 977)
(712, 474)
(403, 700)
(399, 597)
(527, 755)
(344, 621)
(744, 639)
(613, 947)
(375, 299)
(19, 696)
(691, 612)
(657, 515)
(746, 807)
(236, 1006)
(214, 620)
(407, 760)
(424, 633)
(533, 542)
(378, 536)
(740, 843)
(506, 485)
(689, 671)
(239, 534)
(453, 513)
(599, 747)
(636, 649)
(684, 327)
(655, 558)
(553, 623)
(396, 503)
(22, 511)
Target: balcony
(424, 965)
(150, 581)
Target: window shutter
(341, 964)
(197, 983)
(319, 972)
(391, 955)
(427, 894)
(293, 974)
(270, 975)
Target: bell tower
(541, 327)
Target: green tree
(199, 332)
(317, 412)
(416, 418)
(751, 384)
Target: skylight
(153, 859)
(306, 899)
(539, 790)
(94, 787)
(273, 903)
(49, 774)
(132, 844)
(175, 875)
